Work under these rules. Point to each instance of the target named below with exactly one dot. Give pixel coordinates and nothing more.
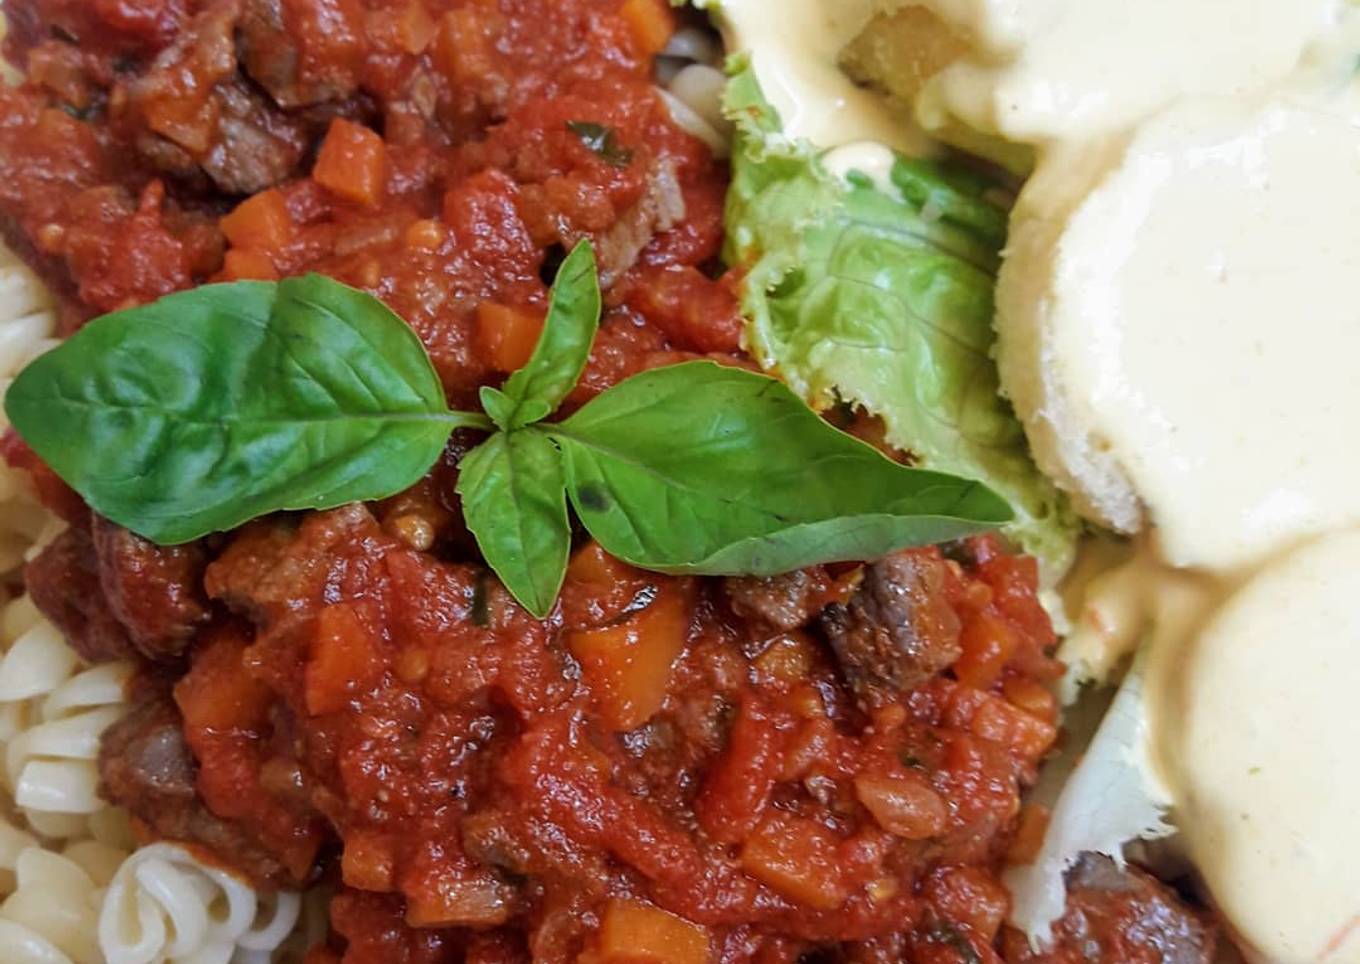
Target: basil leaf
(504, 410)
(603, 141)
(563, 348)
(697, 468)
(515, 504)
(213, 406)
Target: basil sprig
(210, 407)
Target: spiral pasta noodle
(52, 713)
(27, 329)
(691, 84)
(51, 916)
(164, 905)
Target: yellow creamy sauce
(1178, 327)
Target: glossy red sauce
(649, 775)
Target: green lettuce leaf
(884, 300)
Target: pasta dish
(631, 482)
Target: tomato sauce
(660, 771)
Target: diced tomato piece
(738, 790)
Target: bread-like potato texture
(1059, 423)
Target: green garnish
(603, 141)
(214, 406)
(880, 293)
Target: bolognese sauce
(666, 769)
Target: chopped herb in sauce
(603, 141)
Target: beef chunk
(156, 592)
(63, 581)
(192, 114)
(780, 602)
(115, 595)
(301, 67)
(146, 767)
(1119, 915)
(898, 629)
(256, 146)
(274, 567)
(661, 207)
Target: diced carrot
(260, 222)
(457, 899)
(507, 336)
(1029, 834)
(352, 163)
(367, 863)
(465, 43)
(345, 660)
(987, 644)
(247, 265)
(628, 665)
(998, 721)
(593, 567)
(218, 692)
(189, 122)
(425, 235)
(798, 858)
(637, 933)
(968, 896)
(652, 23)
(1034, 698)
(904, 804)
(416, 28)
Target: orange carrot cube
(352, 163)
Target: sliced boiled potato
(1162, 314)
(1264, 753)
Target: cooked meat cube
(1119, 915)
(898, 629)
(217, 122)
(256, 146)
(274, 567)
(303, 67)
(778, 602)
(63, 581)
(146, 767)
(660, 209)
(156, 592)
(114, 594)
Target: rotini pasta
(52, 713)
(164, 905)
(157, 904)
(27, 329)
(13, 842)
(51, 917)
(691, 84)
